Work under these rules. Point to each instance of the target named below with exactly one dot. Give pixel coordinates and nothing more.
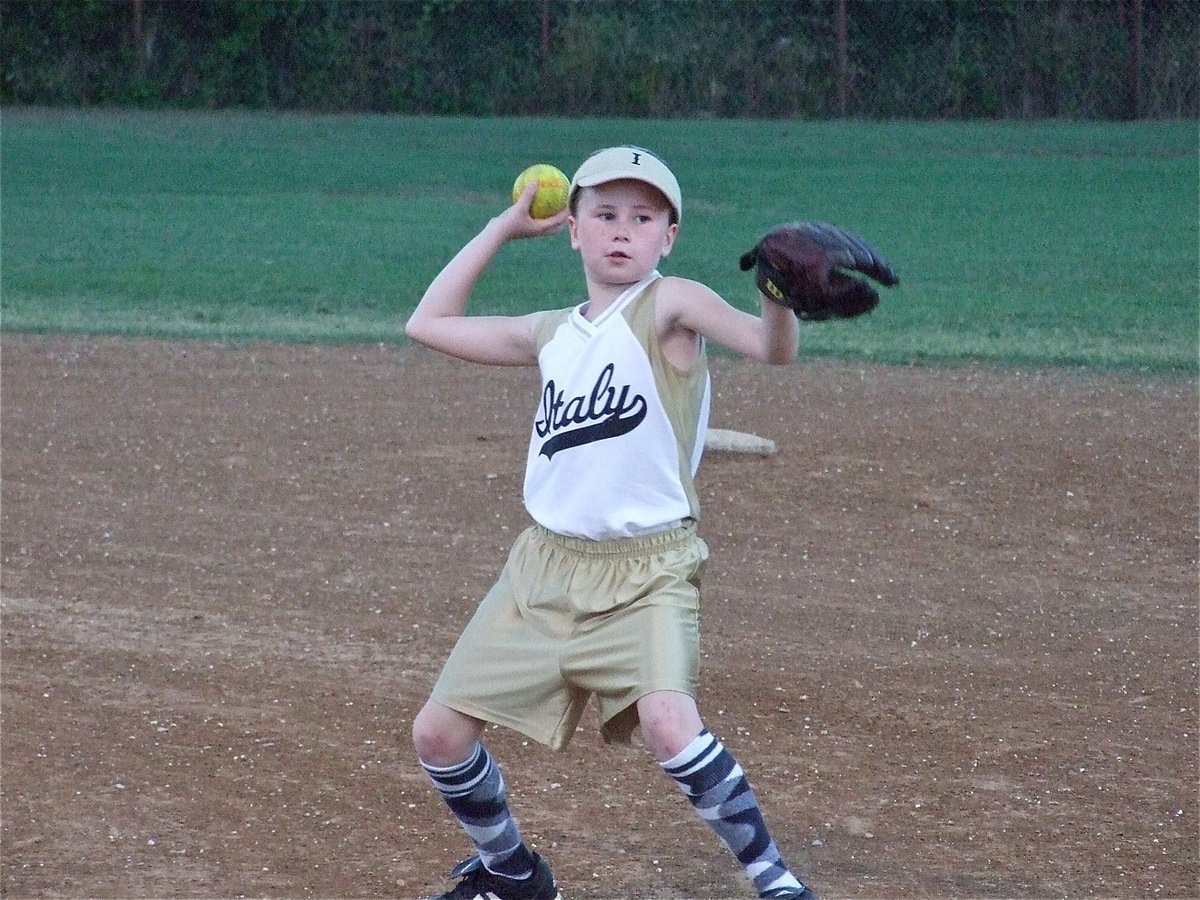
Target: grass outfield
(1040, 244)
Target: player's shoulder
(675, 289)
(680, 299)
(543, 323)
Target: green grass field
(1032, 244)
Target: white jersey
(619, 432)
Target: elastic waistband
(632, 546)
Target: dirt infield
(950, 628)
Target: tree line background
(928, 59)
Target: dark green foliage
(631, 58)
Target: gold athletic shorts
(569, 619)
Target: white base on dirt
(738, 442)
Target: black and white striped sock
(717, 787)
(474, 791)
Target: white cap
(616, 163)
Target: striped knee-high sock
(717, 787)
(474, 791)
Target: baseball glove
(804, 266)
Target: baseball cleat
(801, 893)
(477, 883)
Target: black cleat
(477, 883)
(803, 893)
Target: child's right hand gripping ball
(553, 187)
(806, 267)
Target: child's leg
(472, 787)
(717, 787)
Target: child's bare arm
(440, 320)
(689, 307)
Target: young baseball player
(600, 596)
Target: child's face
(622, 230)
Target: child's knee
(669, 722)
(430, 737)
(664, 739)
(443, 736)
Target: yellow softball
(551, 196)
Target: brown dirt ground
(950, 628)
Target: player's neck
(601, 296)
